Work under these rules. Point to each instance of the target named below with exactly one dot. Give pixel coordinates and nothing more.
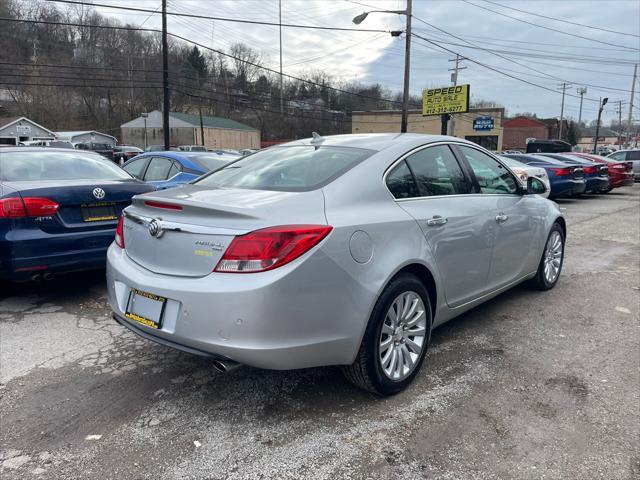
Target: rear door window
(158, 169)
(401, 183)
(175, 169)
(633, 155)
(136, 167)
(437, 172)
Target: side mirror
(535, 186)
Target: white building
(85, 136)
(14, 130)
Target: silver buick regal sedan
(345, 250)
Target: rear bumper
(597, 184)
(622, 180)
(297, 316)
(567, 187)
(22, 257)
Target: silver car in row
(345, 250)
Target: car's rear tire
(393, 349)
(552, 260)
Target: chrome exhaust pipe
(225, 366)
(36, 278)
(48, 276)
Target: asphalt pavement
(529, 385)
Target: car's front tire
(552, 260)
(396, 339)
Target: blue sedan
(59, 210)
(170, 169)
(566, 180)
(596, 174)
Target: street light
(145, 116)
(407, 57)
(603, 102)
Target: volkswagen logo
(98, 193)
(155, 228)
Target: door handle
(436, 220)
(502, 218)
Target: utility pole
(581, 91)
(407, 72)
(564, 89)
(603, 102)
(201, 124)
(633, 89)
(280, 25)
(454, 80)
(619, 123)
(165, 78)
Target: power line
(221, 19)
(537, 53)
(492, 68)
(113, 27)
(548, 28)
(562, 20)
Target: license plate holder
(98, 212)
(145, 308)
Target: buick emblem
(155, 228)
(98, 193)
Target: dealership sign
(438, 101)
(23, 129)
(483, 124)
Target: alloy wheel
(403, 336)
(553, 257)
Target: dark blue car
(595, 174)
(170, 169)
(58, 210)
(566, 180)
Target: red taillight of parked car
(589, 170)
(27, 207)
(560, 172)
(270, 248)
(120, 232)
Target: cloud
(378, 58)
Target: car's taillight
(166, 206)
(620, 166)
(589, 169)
(27, 207)
(120, 232)
(270, 248)
(561, 171)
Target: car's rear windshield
(211, 162)
(295, 168)
(56, 165)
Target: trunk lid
(80, 209)
(190, 241)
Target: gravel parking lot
(529, 385)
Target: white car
(524, 171)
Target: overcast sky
(377, 57)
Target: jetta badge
(98, 193)
(155, 228)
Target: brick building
(517, 130)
